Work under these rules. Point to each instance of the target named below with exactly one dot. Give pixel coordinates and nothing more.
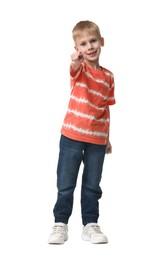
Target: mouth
(92, 53)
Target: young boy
(84, 135)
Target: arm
(108, 144)
(111, 102)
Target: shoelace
(95, 229)
(58, 229)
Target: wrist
(75, 62)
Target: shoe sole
(57, 242)
(94, 241)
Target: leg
(91, 191)
(70, 158)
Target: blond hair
(88, 26)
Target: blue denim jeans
(72, 154)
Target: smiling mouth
(92, 53)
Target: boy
(84, 135)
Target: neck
(93, 65)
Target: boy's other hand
(108, 147)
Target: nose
(89, 45)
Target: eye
(93, 40)
(83, 44)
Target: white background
(35, 49)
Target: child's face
(89, 44)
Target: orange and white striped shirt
(87, 117)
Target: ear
(102, 41)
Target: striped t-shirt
(87, 117)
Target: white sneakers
(91, 232)
(59, 234)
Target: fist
(77, 56)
